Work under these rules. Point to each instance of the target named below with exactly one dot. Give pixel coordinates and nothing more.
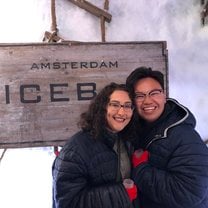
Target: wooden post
(102, 23)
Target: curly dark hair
(94, 119)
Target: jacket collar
(109, 138)
(183, 114)
(173, 115)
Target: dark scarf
(116, 142)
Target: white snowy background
(25, 174)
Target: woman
(90, 168)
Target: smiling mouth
(149, 109)
(119, 119)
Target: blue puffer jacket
(86, 174)
(176, 175)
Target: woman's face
(119, 110)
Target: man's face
(149, 99)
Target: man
(172, 171)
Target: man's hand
(139, 157)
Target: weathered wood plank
(92, 9)
(45, 86)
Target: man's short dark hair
(144, 72)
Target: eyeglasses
(115, 106)
(154, 94)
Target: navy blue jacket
(86, 174)
(176, 175)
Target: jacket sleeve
(183, 180)
(68, 179)
(109, 195)
(71, 186)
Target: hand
(139, 157)
(131, 188)
(132, 192)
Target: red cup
(128, 183)
(130, 188)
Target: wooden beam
(92, 9)
(102, 25)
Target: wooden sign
(45, 86)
